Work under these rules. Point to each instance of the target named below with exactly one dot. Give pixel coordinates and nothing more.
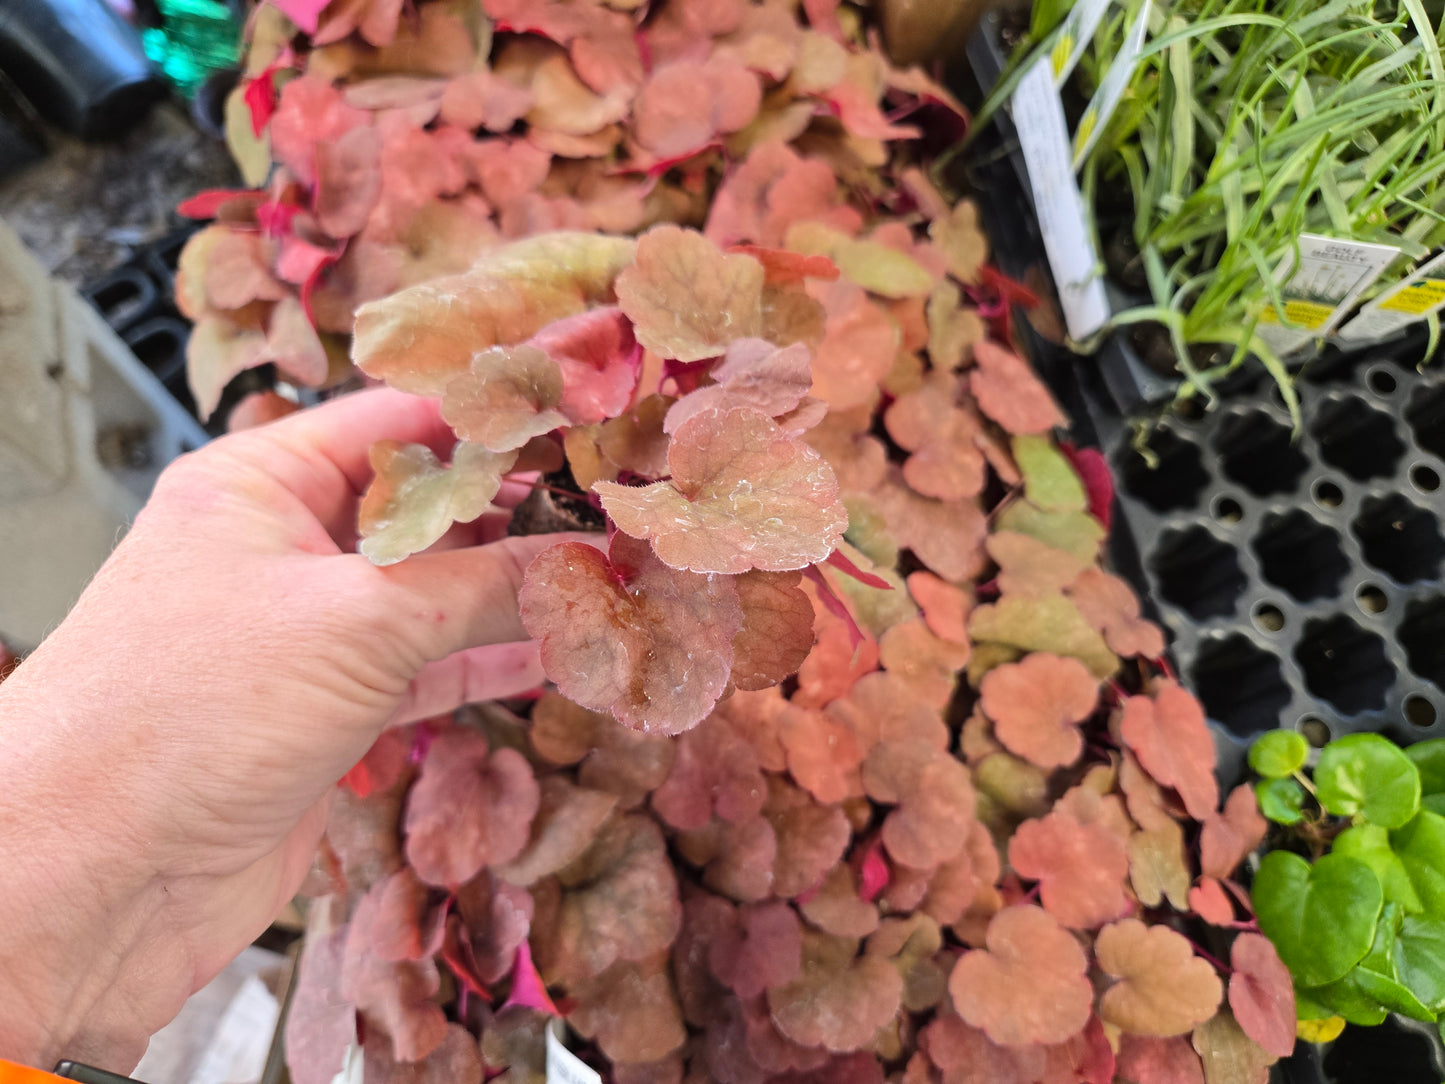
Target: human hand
(167, 754)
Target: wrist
(80, 906)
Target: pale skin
(168, 754)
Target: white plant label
(1078, 31)
(1320, 289)
(1420, 294)
(1111, 89)
(563, 1066)
(1044, 139)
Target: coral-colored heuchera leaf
(321, 1023)
(419, 339)
(619, 902)
(839, 999)
(1044, 623)
(1229, 1055)
(753, 373)
(1010, 393)
(627, 634)
(1144, 1060)
(764, 949)
(1158, 867)
(631, 1011)
(599, 359)
(823, 753)
(1210, 901)
(1261, 994)
(414, 499)
(743, 495)
(567, 821)
(1036, 705)
(684, 105)
(1110, 606)
(715, 772)
(934, 798)
(777, 630)
(508, 396)
(471, 807)
(946, 462)
(1164, 989)
(687, 298)
(1029, 985)
(397, 920)
(1080, 868)
(1169, 736)
(1229, 836)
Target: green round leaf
(1321, 918)
(1343, 997)
(1371, 845)
(1420, 959)
(1377, 976)
(1368, 775)
(1421, 847)
(1280, 800)
(1279, 753)
(1429, 758)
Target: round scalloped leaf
(470, 807)
(1168, 734)
(688, 299)
(1321, 918)
(1229, 836)
(1163, 988)
(625, 633)
(1080, 867)
(1280, 800)
(1030, 983)
(1050, 481)
(1368, 775)
(743, 494)
(419, 339)
(414, 499)
(1036, 705)
(508, 396)
(839, 999)
(1278, 754)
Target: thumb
(458, 599)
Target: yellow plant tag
(1320, 1031)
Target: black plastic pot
(80, 65)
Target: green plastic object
(196, 38)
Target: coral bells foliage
(853, 764)
(837, 777)
(389, 144)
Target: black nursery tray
(1300, 575)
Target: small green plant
(1353, 893)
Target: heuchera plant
(853, 765)
(1352, 895)
(758, 829)
(390, 144)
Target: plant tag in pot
(1319, 289)
(1044, 139)
(563, 1066)
(1418, 295)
